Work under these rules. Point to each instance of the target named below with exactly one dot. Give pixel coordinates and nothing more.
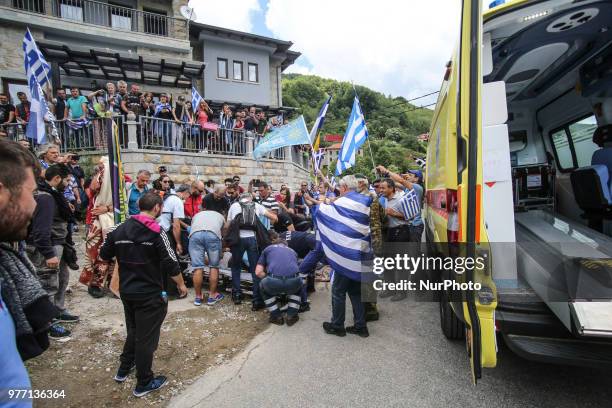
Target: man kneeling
(281, 264)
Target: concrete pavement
(406, 361)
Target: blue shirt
(133, 198)
(279, 260)
(75, 105)
(13, 374)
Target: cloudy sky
(396, 47)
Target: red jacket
(193, 206)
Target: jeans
(164, 131)
(342, 286)
(53, 281)
(177, 137)
(143, 320)
(201, 242)
(248, 245)
(272, 286)
(308, 265)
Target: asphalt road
(406, 362)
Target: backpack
(247, 219)
(170, 213)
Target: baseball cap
(162, 169)
(417, 173)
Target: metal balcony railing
(107, 15)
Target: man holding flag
(344, 233)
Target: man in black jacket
(45, 242)
(144, 256)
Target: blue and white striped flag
(37, 72)
(410, 205)
(77, 123)
(316, 128)
(318, 158)
(355, 136)
(195, 98)
(343, 228)
(34, 60)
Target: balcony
(106, 15)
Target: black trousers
(143, 320)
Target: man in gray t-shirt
(205, 237)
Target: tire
(452, 327)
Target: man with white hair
(344, 232)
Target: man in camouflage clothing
(377, 215)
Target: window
(221, 68)
(253, 72)
(237, 71)
(573, 143)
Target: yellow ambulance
(519, 171)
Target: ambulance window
(562, 149)
(582, 139)
(573, 143)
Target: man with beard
(25, 310)
(45, 243)
(144, 255)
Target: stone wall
(187, 167)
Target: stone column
(132, 129)
(250, 144)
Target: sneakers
(197, 301)
(291, 320)
(57, 331)
(236, 298)
(95, 292)
(73, 265)
(66, 317)
(212, 300)
(361, 332)
(255, 306)
(153, 385)
(122, 375)
(372, 316)
(277, 319)
(304, 307)
(329, 329)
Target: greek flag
(77, 124)
(37, 71)
(316, 128)
(34, 60)
(410, 205)
(355, 136)
(195, 98)
(318, 158)
(421, 162)
(343, 228)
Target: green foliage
(393, 124)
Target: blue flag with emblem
(355, 136)
(294, 133)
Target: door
(478, 305)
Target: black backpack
(247, 219)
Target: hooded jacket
(144, 255)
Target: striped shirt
(270, 204)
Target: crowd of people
(163, 123)
(177, 234)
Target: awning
(113, 66)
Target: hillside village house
(149, 42)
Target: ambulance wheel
(452, 327)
